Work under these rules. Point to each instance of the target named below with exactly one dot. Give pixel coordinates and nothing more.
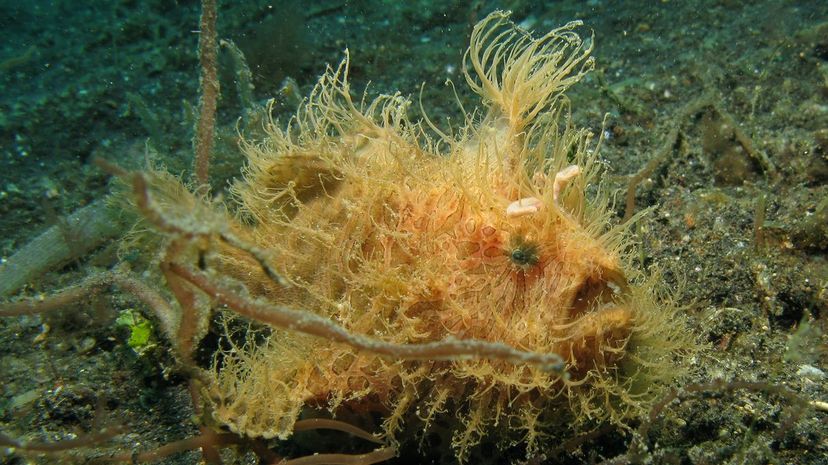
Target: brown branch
(329, 423)
(206, 440)
(210, 441)
(153, 213)
(187, 332)
(661, 154)
(162, 309)
(205, 127)
(747, 143)
(315, 325)
(668, 143)
(379, 455)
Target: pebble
(809, 371)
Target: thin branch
(315, 325)
(329, 423)
(89, 286)
(206, 440)
(379, 455)
(205, 128)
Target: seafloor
(724, 104)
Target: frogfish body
(396, 230)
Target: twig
(315, 325)
(328, 423)
(80, 232)
(665, 149)
(209, 93)
(164, 312)
(379, 455)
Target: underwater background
(714, 116)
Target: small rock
(810, 371)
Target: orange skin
(486, 235)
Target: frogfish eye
(524, 254)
